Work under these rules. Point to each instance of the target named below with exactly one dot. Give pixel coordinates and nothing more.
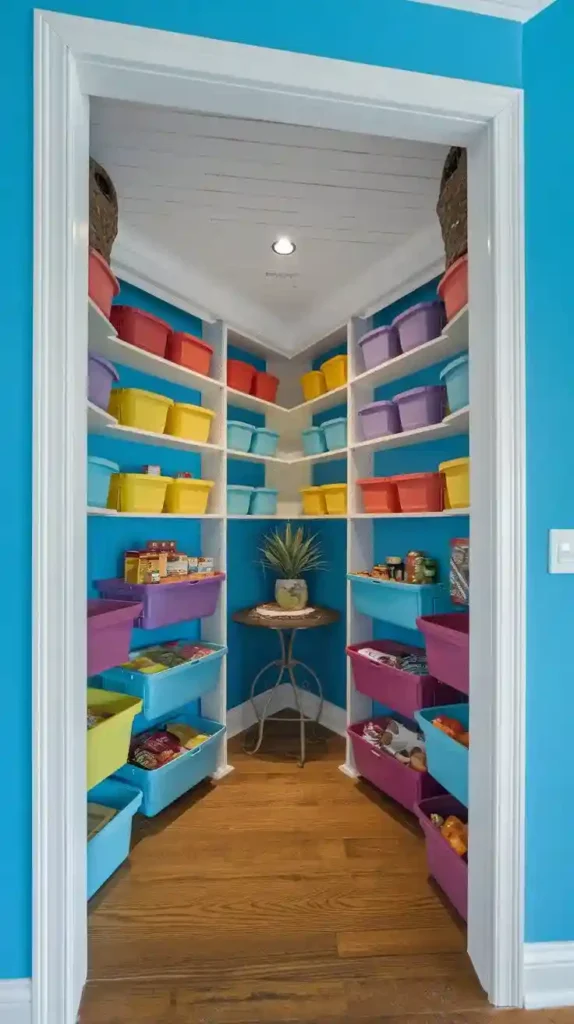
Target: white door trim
(162, 68)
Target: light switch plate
(561, 551)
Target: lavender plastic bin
(446, 640)
(401, 691)
(446, 867)
(383, 771)
(101, 376)
(377, 419)
(421, 407)
(379, 346)
(167, 603)
(419, 324)
(110, 626)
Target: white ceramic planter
(291, 595)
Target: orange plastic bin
(265, 386)
(420, 492)
(453, 287)
(240, 375)
(379, 494)
(189, 351)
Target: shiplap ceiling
(214, 192)
(512, 10)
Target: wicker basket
(103, 210)
(451, 207)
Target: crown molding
(519, 10)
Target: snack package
(456, 834)
(453, 728)
(186, 734)
(153, 749)
(459, 572)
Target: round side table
(287, 627)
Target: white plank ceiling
(215, 192)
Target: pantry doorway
(80, 58)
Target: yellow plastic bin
(335, 499)
(313, 384)
(144, 410)
(191, 422)
(109, 740)
(188, 497)
(335, 371)
(313, 501)
(457, 477)
(137, 492)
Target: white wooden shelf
(457, 329)
(448, 512)
(251, 402)
(109, 427)
(284, 460)
(456, 423)
(98, 419)
(109, 512)
(289, 459)
(456, 340)
(282, 518)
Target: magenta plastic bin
(421, 407)
(401, 691)
(379, 346)
(383, 771)
(419, 324)
(377, 419)
(110, 625)
(101, 376)
(449, 870)
(446, 641)
(167, 603)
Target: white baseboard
(243, 716)
(16, 1001)
(548, 975)
(332, 716)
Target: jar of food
(381, 572)
(396, 568)
(414, 567)
(430, 570)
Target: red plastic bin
(379, 494)
(264, 385)
(240, 375)
(401, 691)
(110, 625)
(141, 329)
(453, 287)
(383, 771)
(189, 351)
(449, 870)
(420, 492)
(446, 641)
(102, 284)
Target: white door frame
(77, 58)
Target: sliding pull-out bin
(109, 741)
(398, 603)
(402, 691)
(167, 603)
(110, 625)
(399, 781)
(447, 758)
(449, 870)
(110, 847)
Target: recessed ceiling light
(283, 246)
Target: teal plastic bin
(264, 501)
(110, 847)
(264, 442)
(336, 433)
(447, 760)
(239, 435)
(455, 376)
(99, 476)
(397, 603)
(238, 499)
(314, 442)
(162, 786)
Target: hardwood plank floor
(281, 894)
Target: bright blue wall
(549, 81)
(399, 34)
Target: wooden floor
(281, 894)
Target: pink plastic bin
(110, 626)
(421, 407)
(446, 640)
(401, 691)
(379, 346)
(377, 419)
(449, 870)
(419, 324)
(383, 771)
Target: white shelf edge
(111, 513)
(121, 433)
(288, 460)
(99, 419)
(282, 518)
(446, 513)
(242, 400)
(232, 453)
(450, 426)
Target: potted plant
(290, 553)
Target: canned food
(430, 570)
(414, 567)
(396, 568)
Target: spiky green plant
(292, 552)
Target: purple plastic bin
(446, 867)
(446, 640)
(397, 780)
(419, 324)
(377, 419)
(110, 626)
(401, 691)
(421, 407)
(101, 375)
(167, 603)
(379, 346)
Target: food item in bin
(437, 820)
(453, 728)
(186, 734)
(160, 657)
(418, 760)
(396, 568)
(459, 570)
(430, 570)
(414, 567)
(154, 748)
(456, 834)
(381, 657)
(405, 744)
(95, 716)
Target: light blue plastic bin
(239, 435)
(264, 501)
(165, 692)
(336, 433)
(238, 499)
(314, 442)
(264, 442)
(110, 846)
(397, 603)
(455, 376)
(447, 760)
(99, 476)
(166, 784)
